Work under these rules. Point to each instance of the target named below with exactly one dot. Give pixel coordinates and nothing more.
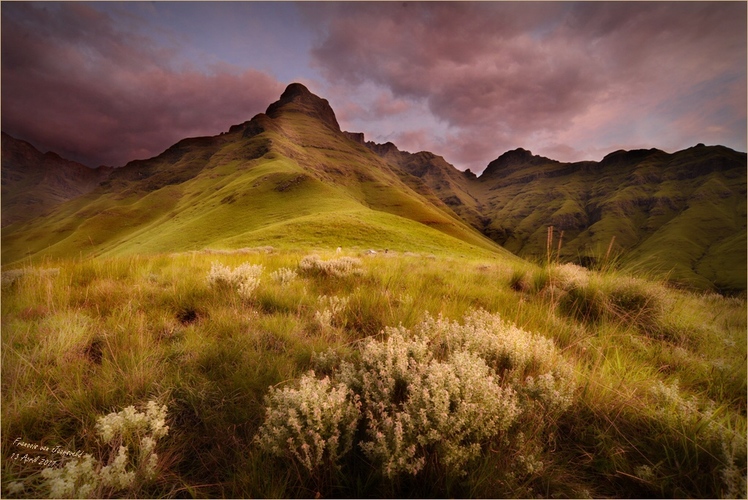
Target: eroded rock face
(298, 98)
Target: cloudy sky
(105, 83)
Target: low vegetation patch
(299, 374)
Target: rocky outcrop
(297, 98)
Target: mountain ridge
(34, 182)
(644, 201)
(289, 176)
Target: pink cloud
(76, 84)
(547, 76)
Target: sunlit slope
(286, 178)
(682, 215)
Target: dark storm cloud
(503, 75)
(76, 82)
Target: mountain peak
(298, 98)
(295, 90)
(512, 159)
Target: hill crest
(258, 181)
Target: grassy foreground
(433, 376)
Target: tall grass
(658, 409)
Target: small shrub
(503, 345)
(569, 276)
(244, 279)
(131, 461)
(448, 409)
(283, 275)
(332, 310)
(338, 268)
(313, 424)
(436, 394)
(323, 318)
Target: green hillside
(290, 178)
(285, 178)
(681, 216)
(33, 183)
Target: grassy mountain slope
(287, 177)
(33, 183)
(607, 386)
(290, 177)
(682, 215)
(451, 186)
(302, 371)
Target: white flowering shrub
(336, 305)
(338, 268)
(313, 423)
(448, 408)
(333, 308)
(503, 345)
(130, 423)
(553, 393)
(283, 275)
(406, 381)
(130, 461)
(244, 279)
(247, 287)
(438, 393)
(78, 479)
(323, 318)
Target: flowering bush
(313, 423)
(131, 459)
(502, 345)
(338, 268)
(333, 308)
(244, 279)
(436, 393)
(570, 276)
(129, 423)
(415, 404)
(283, 275)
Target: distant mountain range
(33, 183)
(291, 177)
